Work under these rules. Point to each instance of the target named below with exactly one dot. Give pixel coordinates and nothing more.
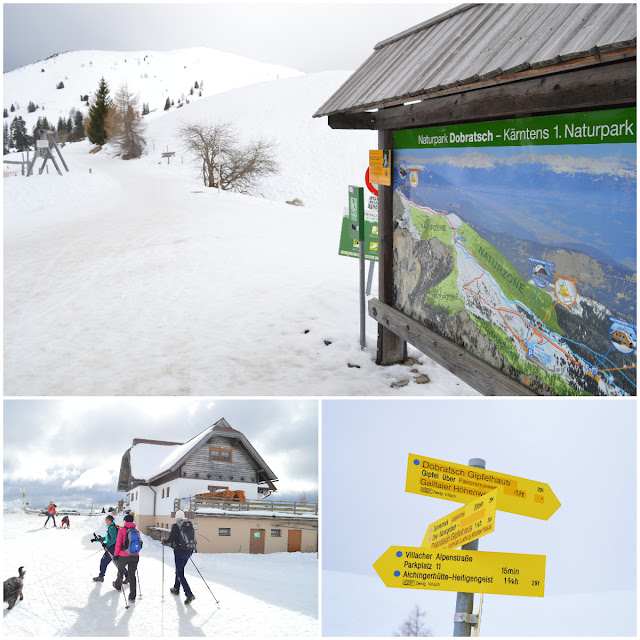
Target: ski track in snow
(259, 595)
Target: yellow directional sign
(513, 574)
(460, 483)
(468, 523)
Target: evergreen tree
(5, 113)
(98, 112)
(191, 91)
(60, 85)
(172, 103)
(78, 127)
(19, 135)
(5, 139)
(196, 85)
(61, 126)
(45, 124)
(167, 105)
(37, 129)
(12, 108)
(31, 107)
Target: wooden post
(391, 348)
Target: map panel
(517, 240)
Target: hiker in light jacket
(126, 558)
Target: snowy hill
(131, 277)
(153, 75)
(259, 595)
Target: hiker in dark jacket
(109, 545)
(182, 540)
(126, 557)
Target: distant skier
(51, 511)
(183, 541)
(109, 546)
(128, 546)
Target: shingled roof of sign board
(476, 43)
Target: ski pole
(138, 578)
(208, 587)
(126, 606)
(162, 598)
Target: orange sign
(380, 166)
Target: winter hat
(179, 515)
(128, 518)
(109, 517)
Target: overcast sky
(585, 450)
(303, 35)
(52, 446)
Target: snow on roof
(151, 460)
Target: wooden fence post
(391, 348)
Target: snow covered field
(134, 279)
(259, 595)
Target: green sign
(592, 127)
(349, 246)
(356, 213)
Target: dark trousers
(50, 515)
(181, 558)
(106, 559)
(131, 563)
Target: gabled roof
(477, 43)
(149, 460)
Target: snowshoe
(176, 592)
(98, 579)
(125, 581)
(131, 599)
(190, 599)
(114, 586)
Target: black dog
(65, 521)
(13, 589)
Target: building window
(224, 531)
(222, 455)
(163, 493)
(136, 495)
(276, 533)
(167, 492)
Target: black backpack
(187, 538)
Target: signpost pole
(363, 337)
(370, 276)
(464, 601)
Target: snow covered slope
(316, 162)
(153, 75)
(133, 278)
(259, 595)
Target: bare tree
(414, 625)
(221, 158)
(124, 124)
